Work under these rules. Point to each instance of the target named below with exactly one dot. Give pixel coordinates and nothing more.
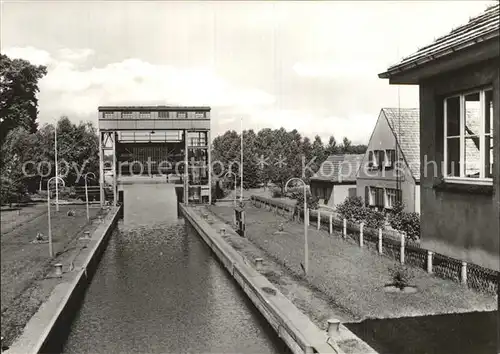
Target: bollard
(464, 273)
(222, 231)
(402, 250)
(58, 269)
(319, 220)
(380, 241)
(333, 327)
(361, 234)
(344, 231)
(309, 350)
(258, 263)
(331, 224)
(429, 262)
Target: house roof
(479, 29)
(405, 124)
(339, 168)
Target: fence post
(429, 262)
(361, 234)
(344, 231)
(308, 217)
(380, 241)
(402, 250)
(319, 220)
(464, 273)
(331, 224)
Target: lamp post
(87, 193)
(241, 163)
(57, 167)
(234, 174)
(306, 248)
(51, 252)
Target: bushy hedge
(404, 221)
(276, 192)
(354, 210)
(298, 195)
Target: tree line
(274, 155)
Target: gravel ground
(353, 277)
(25, 264)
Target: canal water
(158, 289)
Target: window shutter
(367, 195)
(380, 156)
(380, 195)
(370, 158)
(399, 195)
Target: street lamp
(57, 167)
(241, 163)
(306, 251)
(51, 252)
(234, 174)
(87, 193)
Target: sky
(311, 66)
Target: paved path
(353, 277)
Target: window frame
(481, 180)
(393, 194)
(372, 195)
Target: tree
(18, 102)
(331, 148)
(11, 175)
(319, 154)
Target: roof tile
(339, 168)
(405, 123)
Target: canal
(158, 289)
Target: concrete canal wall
(293, 327)
(49, 326)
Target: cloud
(33, 55)
(75, 54)
(68, 90)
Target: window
(163, 115)
(468, 137)
(390, 158)
(375, 158)
(127, 115)
(144, 115)
(199, 115)
(181, 115)
(390, 198)
(109, 115)
(375, 196)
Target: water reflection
(158, 289)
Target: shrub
(401, 276)
(276, 192)
(312, 201)
(353, 210)
(405, 221)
